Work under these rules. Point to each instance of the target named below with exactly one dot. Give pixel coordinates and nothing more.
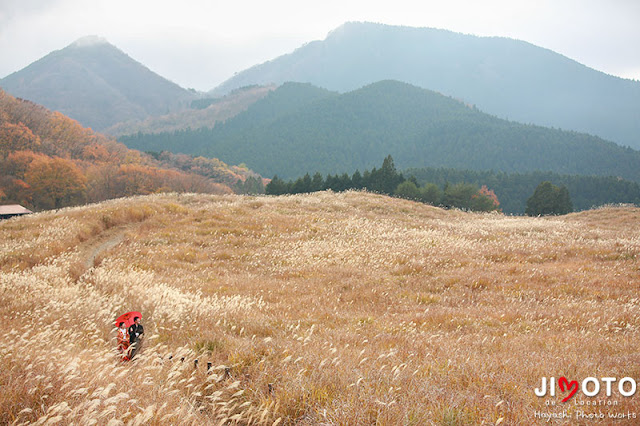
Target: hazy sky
(201, 43)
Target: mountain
(504, 77)
(299, 128)
(97, 84)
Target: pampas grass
(348, 308)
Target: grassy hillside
(300, 129)
(329, 308)
(504, 77)
(97, 84)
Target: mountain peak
(89, 41)
(96, 83)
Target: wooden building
(13, 210)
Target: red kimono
(123, 343)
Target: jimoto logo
(590, 386)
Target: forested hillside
(205, 112)
(48, 160)
(505, 77)
(298, 128)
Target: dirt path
(103, 243)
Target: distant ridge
(97, 84)
(213, 111)
(504, 77)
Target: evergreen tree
(549, 199)
(357, 180)
(459, 195)
(276, 187)
(563, 201)
(302, 185)
(331, 183)
(317, 182)
(344, 182)
(390, 179)
(408, 190)
(366, 179)
(373, 182)
(430, 194)
(251, 185)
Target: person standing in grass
(136, 334)
(123, 341)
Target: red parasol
(128, 318)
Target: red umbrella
(128, 318)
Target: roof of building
(13, 209)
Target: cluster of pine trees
(387, 180)
(549, 199)
(249, 186)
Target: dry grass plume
(328, 308)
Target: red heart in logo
(571, 386)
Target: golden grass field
(349, 308)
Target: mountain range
(97, 84)
(299, 128)
(346, 119)
(508, 78)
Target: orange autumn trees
(16, 137)
(486, 199)
(13, 181)
(48, 160)
(34, 179)
(56, 182)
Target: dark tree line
(387, 180)
(384, 180)
(514, 189)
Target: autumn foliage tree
(13, 181)
(56, 183)
(485, 200)
(16, 137)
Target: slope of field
(347, 308)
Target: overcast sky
(200, 43)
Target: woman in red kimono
(123, 342)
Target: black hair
(121, 324)
(135, 318)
